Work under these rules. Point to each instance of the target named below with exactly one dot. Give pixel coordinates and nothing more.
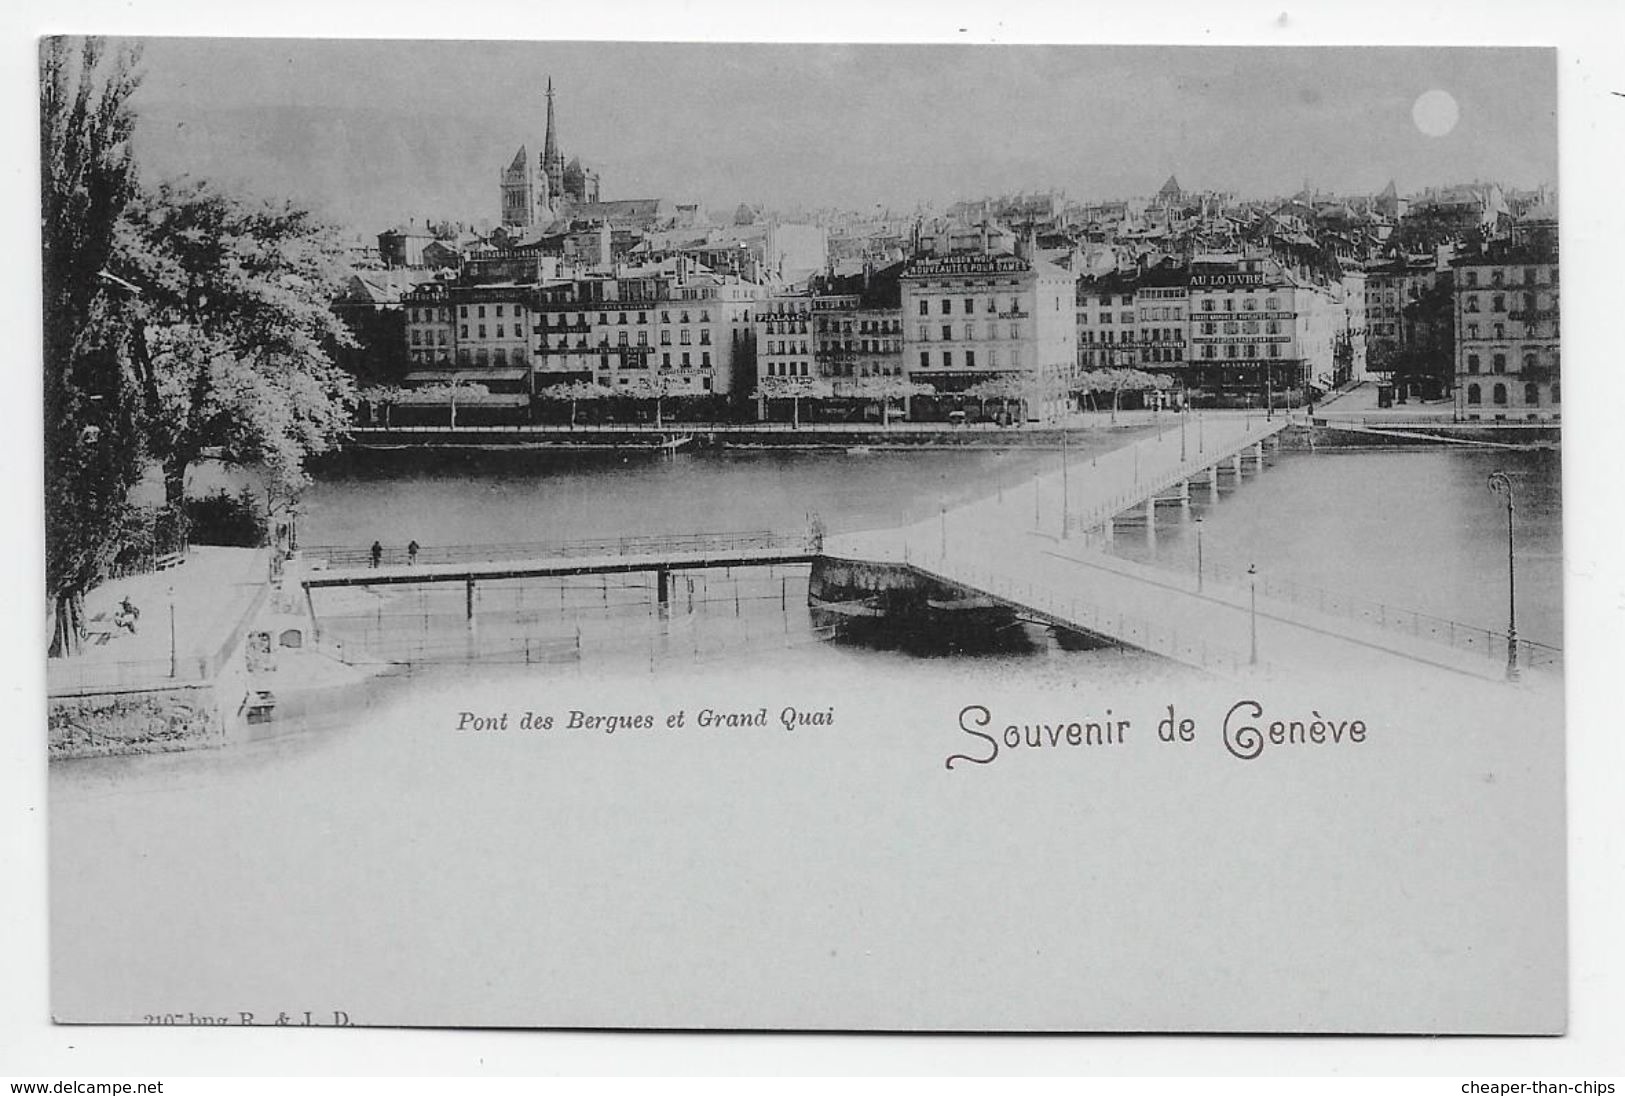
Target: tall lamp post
(1198, 553)
(1252, 612)
(1501, 484)
(1066, 492)
(172, 630)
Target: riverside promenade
(193, 617)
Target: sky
(374, 132)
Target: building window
(665, 360)
(643, 338)
(705, 358)
(925, 308)
(1472, 277)
(970, 359)
(1015, 331)
(1207, 304)
(1500, 330)
(970, 332)
(482, 331)
(947, 306)
(947, 332)
(620, 339)
(1557, 393)
(925, 359)
(1531, 395)
(1498, 363)
(683, 337)
(947, 359)
(1529, 363)
(1498, 395)
(1472, 363)
(502, 331)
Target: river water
(373, 853)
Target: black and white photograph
(804, 537)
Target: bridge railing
(1147, 635)
(395, 555)
(1155, 482)
(1452, 633)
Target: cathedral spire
(550, 149)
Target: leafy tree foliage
(91, 383)
(885, 389)
(575, 392)
(1118, 381)
(236, 294)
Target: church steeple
(550, 150)
(552, 158)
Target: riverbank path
(192, 616)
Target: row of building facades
(1450, 296)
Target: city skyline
(374, 132)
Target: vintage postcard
(804, 537)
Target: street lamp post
(172, 630)
(1183, 411)
(1501, 484)
(1198, 553)
(1252, 612)
(1269, 388)
(1066, 493)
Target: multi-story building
(1508, 334)
(785, 346)
(1107, 323)
(1258, 326)
(1163, 303)
(858, 325)
(675, 323)
(976, 316)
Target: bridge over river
(1038, 554)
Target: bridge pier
(1213, 480)
(1258, 455)
(1236, 462)
(469, 602)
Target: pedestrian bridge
(1040, 553)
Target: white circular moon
(1435, 112)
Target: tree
(381, 398)
(92, 383)
(1004, 388)
(575, 391)
(794, 389)
(655, 387)
(884, 389)
(236, 295)
(448, 392)
(1117, 381)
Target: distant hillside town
(577, 305)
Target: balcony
(1536, 315)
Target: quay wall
(821, 437)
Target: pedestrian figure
(412, 553)
(377, 553)
(126, 615)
